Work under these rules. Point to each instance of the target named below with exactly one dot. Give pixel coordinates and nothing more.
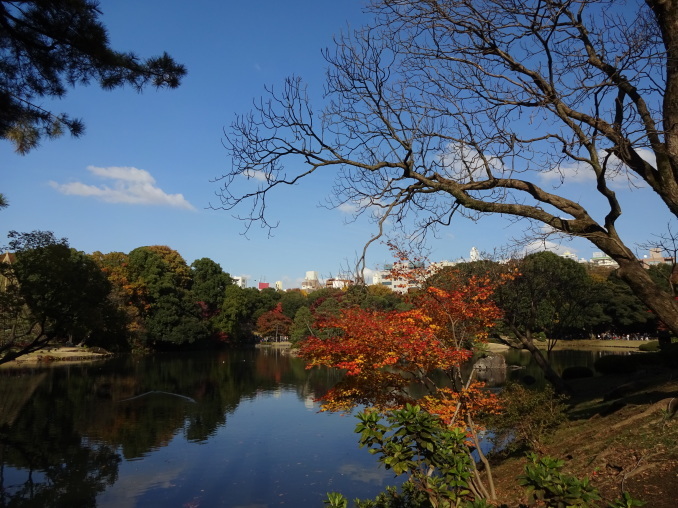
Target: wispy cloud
(582, 173)
(252, 174)
(129, 186)
(353, 206)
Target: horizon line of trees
(151, 299)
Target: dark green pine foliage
(552, 295)
(48, 46)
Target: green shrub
(546, 485)
(527, 417)
(416, 443)
(651, 346)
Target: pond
(227, 429)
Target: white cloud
(129, 186)
(546, 245)
(349, 208)
(368, 274)
(581, 172)
(255, 175)
(463, 162)
(354, 206)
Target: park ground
(59, 354)
(621, 432)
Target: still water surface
(229, 429)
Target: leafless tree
(443, 107)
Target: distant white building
(602, 259)
(310, 282)
(656, 258)
(279, 285)
(569, 255)
(338, 283)
(240, 281)
(436, 266)
(391, 276)
(474, 255)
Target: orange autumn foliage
(464, 312)
(382, 353)
(385, 353)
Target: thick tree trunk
(666, 14)
(631, 271)
(664, 305)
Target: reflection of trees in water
(66, 428)
(317, 382)
(13, 395)
(56, 465)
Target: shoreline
(74, 354)
(581, 345)
(60, 355)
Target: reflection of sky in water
(253, 437)
(274, 450)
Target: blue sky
(142, 174)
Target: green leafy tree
(624, 311)
(167, 307)
(237, 320)
(666, 275)
(292, 301)
(549, 296)
(54, 292)
(209, 284)
(47, 46)
(265, 300)
(302, 327)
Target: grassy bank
(584, 345)
(620, 433)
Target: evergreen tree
(47, 46)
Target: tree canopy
(463, 107)
(47, 46)
(54, 292)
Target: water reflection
(521, 365)
(128, 432)
(44, 459)
(232, 429)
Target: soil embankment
(622, 433)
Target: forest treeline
(152, 299)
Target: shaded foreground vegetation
(614, 444)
